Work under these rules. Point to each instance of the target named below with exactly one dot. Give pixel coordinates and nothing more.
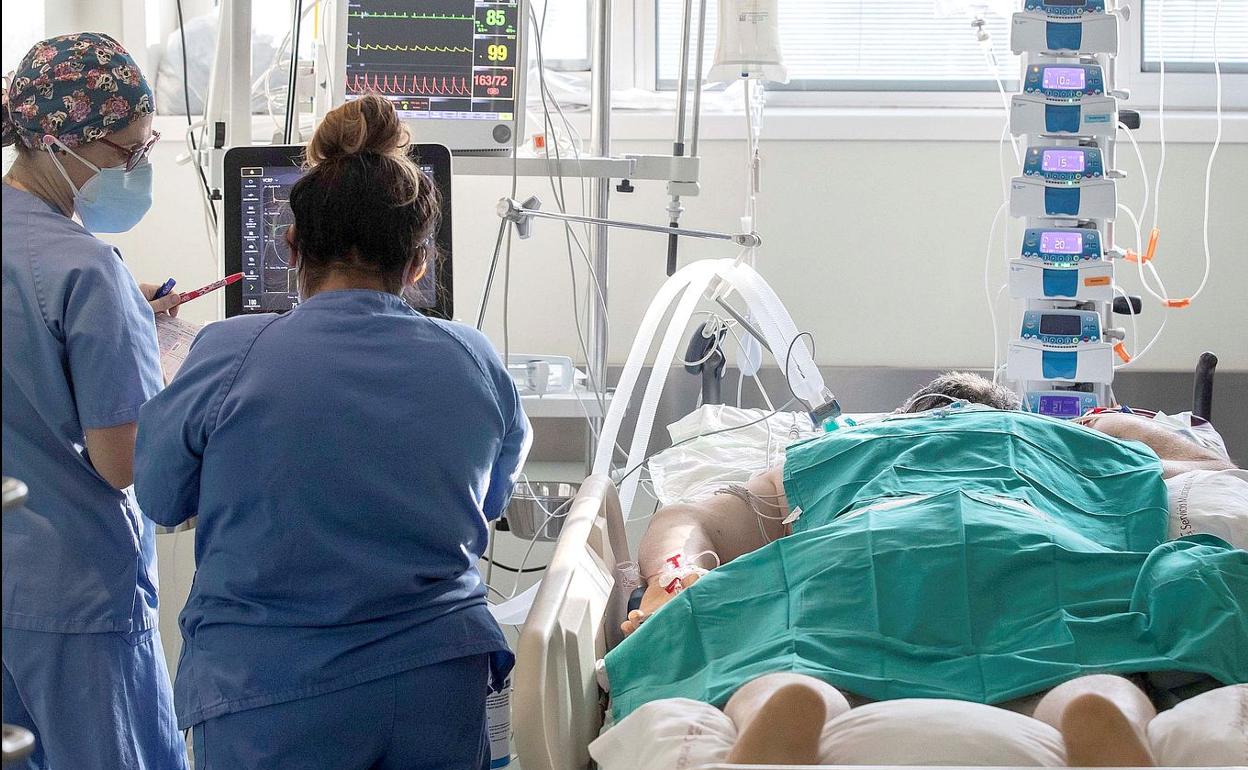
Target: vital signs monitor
(258, 181)
(454, 68)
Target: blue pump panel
(1061, 202)
(1061, 246)
(1060, 282)
(1062, 118)
(1060, 365)
(1063, 36)
(1068, 83)
(1061, 404)
(1065, 9)
(1064, 166)
(1061, 328)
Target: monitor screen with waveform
(258, 216)
(439, 59)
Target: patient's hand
(654, 598)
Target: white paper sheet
(175, 337)
(514, 612)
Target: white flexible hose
(992, 305)
(605, 453)
(1161, 110)
(691, 294)
(1217, 142)
(782, 334)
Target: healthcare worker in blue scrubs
(344, 460)
(83, 665)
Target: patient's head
(952, 386)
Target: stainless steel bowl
(538, 509)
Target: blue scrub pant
(431, 717)
(93, 701)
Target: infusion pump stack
(1061, 357)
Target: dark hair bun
(364, 126)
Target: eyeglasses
(135, 155)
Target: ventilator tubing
(690, 284)
(777, 326)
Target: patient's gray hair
(961, 385)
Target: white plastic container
(498, 725)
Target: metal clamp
(522, 214)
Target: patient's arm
(723, 524)
(1178, 455)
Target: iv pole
(600, 127)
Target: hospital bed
(558, 706)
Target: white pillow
(669, 734)
(1210, 503)
(1210, 730)
(918, 731)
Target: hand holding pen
(162, 298)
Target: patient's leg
(1103, 720)
(780, 717)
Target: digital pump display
(447, 59)
(1068, 3)
(1059, 406)
(1063, 160)
(1065, 78)
(269, 284)
(1061, 243)
(1061, 325)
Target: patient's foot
(1098, 734)
(785, 731)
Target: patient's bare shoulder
(1177, 453)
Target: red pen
(187, 296)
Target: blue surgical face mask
(114, 200)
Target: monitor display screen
(1068, 3)
(1061, 243)
(1059, 406)
(1061, 325)
(269, 283)
(1065, 78)
(445, 59)
(1062, 160)
(257, 216)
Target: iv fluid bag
(749, 42)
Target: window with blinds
(565, 36)
(1181, 31)
(869, 45)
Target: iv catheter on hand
(522, 214)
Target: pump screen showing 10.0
(450, 59)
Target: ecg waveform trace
(410, 85)
(409, 16)
(357, 47)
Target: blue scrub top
(344, 460)
(79, 353)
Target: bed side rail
(1202, 395)
(556, 711)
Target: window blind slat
(1186, 36)
(859, 40)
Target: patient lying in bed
(969, 552)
